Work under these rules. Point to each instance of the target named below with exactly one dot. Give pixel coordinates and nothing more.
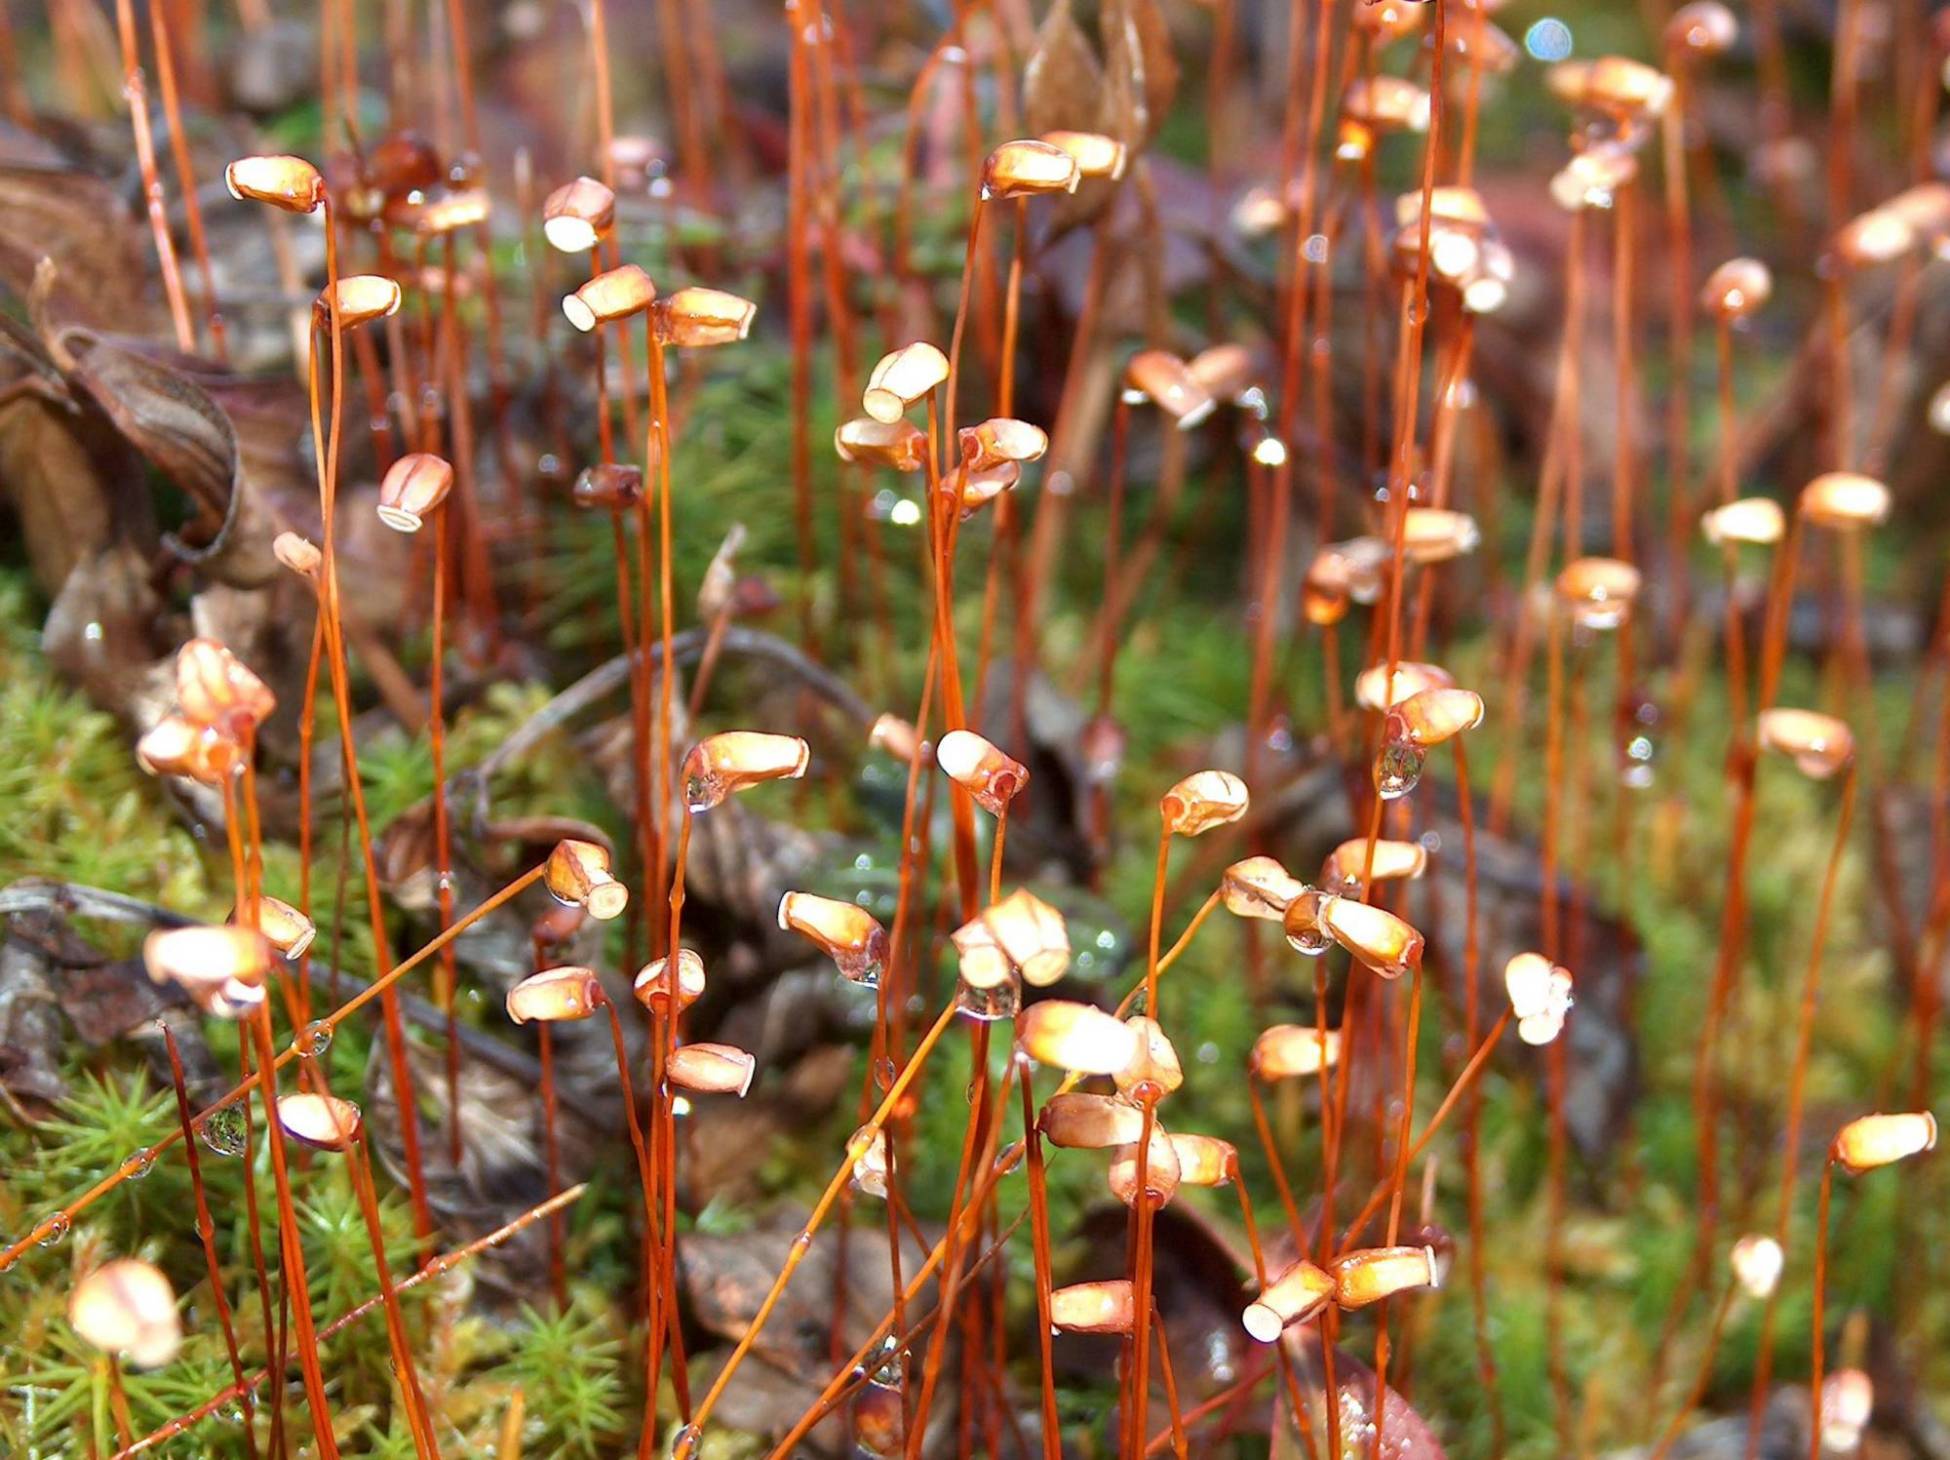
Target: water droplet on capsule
(1398, 769)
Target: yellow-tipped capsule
(1540, 996)
(1599, 592)
(1375, 936)
(1032, 935)
(222, 969)
(1258, 212)
(899, 444)
(175, 747)
(1203, 800)
(1757, 1261)
(319, 1121)
(1431, 716)
(1411, 678)
(1820, 745)
(1001, 440)
(1082, 1121)
(555, 995)
(1079, 1038)
(1926, 208)
(1737, 288)
(1593, 177)
(290, 183)
(1616, 85)
(903, 379)
(712, 1069)
(1436, 535)
(1167, 382)
(723, 764)
(361, 298)
(1028, 167)
(846, 932)
(1870, 1141)
(973, 488)
(1155, 1065)
(651, 986)
(299, 554)
(127, 1308)
(616, 294)
(1703, 28)
(1382, 104)
(880, 1420)
(577, 215)
(614, 485)
(578, 873)
(1259, 887)
(1225, 372)
(1204, 1160)
(988, 774)
(1879, 236)
(697, 318)
(1388, 20)
(1161, 1173)
(217, 690)
(1844, 501)
(1484, 46)
(983, 964)
(1393, 861)
(898, 738)
(449, 212)
(1848, 1401)
(283, 926)
(1294, 1051)
(1373, 1273)
(1302, 1292)
(414, 486)
(871, 1166)
(1094, 154)
(1757, 521)
(1101, 1307)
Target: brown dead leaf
(102, 632)
(100, 255)
(185, 435)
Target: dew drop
(683, 1441)
(139, 1165)
(53, 1229)
(1398, 769)
(315, 1039)
(225, 1130)
(891, 1367)
(884, 1073)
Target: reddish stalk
(206, 1231)
(179, 147)
(137, 98)
(290, 1249)
(319, 1028)
(1804, 1030)
(1705, 1367)
(1816, 1341)
(802, 1244)
(446, 972)
(1039, 1228)
(435, 1268)
(799, 310)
